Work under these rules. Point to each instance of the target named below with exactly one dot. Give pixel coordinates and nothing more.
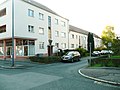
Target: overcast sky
(90, 15)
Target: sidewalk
(7, 64)
(110, 75)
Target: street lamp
(90, 55)
(12, 33)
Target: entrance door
(9, 51)
(25, 50)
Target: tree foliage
(90, 40)
(108, 35)
(116, 46)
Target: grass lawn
(115, 57)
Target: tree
(90, 40)
(108, 35)
(116, 46)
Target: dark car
(96, 53)
(71, 56)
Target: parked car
(71, 56)
(96, 53)
(106, 52)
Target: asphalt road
(57, 76)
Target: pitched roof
(34, 3)
(75, 29)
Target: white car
(107, 52)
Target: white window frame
(63, 34)
(57, 45)
(31, 28)
(56, 21)
(56, 33)
(72, 36)
(41, 30)
(41, 16)
(63, 45)
(41, 45)
(63, 23)
(30, 13)
(72, 45)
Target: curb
(9, 67)
(97, 79)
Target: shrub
(100, 48)
(105, 62)
(82, 51)
(50, 59)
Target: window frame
(30, 28)
(41, 16)
(3, 29)
(2, 12)
(63, 34)
(56, 33)
(30, 12)
(56, 21)
(41, 45)
(40, 28)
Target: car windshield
(70, 53)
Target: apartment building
(78, 38)
(36, 28)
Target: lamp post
(90, 53)
(12, 33)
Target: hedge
(49, 59)
(105, 62)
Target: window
(41, 30)
(57, 45)
(56, 21)
(63, 45)
(41, 16)
(57, 33)
(2, 12)
(63, 35)
(76, 36)
(31, 42)
(72, 45)
(41, 45)
(2, 28)
(76, 45)
(30, 13)
(49, 21)
(30, 28)
(72, 36)
(63, 23)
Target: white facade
(77, 40)
(34, 26)
(97, 42)
(32, 23)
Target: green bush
(105, 62)
(83, 52)
(100, 48)
(50, 59)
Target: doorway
(25, 50)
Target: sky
(90, 15)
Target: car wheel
(78, 59)
(72, 60)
